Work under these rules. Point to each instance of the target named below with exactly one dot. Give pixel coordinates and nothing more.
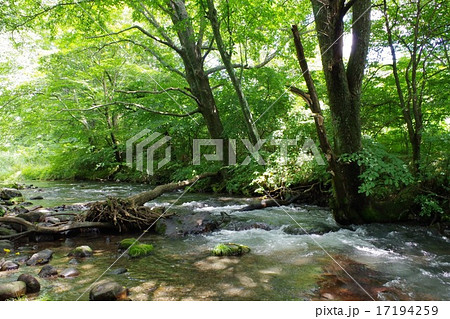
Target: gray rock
(18, 210)
(48, 271)
(69, 272)
(182, 225)
(295, 230)
(28, 204)
(81, 252)
(21, 259)
(73, 261)
(9, 193)
(118, 271)
(12, 290)
(9, 265)
(40, 258)
(44, 238)
(239, 226)
(32, 283)
(108, 291)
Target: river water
(384, 262)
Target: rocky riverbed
(287, 260)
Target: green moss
(230, 250)
(140, 250)
(126, 243)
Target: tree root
(123, 214)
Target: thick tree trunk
(344, 91)
(194, 66)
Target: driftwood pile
(121, 215)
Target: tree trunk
(226, 58)
(195, 74)
(344, 92)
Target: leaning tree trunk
(226, 58)
(195, 74)
(344, 92)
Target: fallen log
(266, 203)
(142, 198)
(118, 214)
(31, 229)
(129, 214)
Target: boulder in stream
(69, 273)
(118, 271)
(230, 250)
(9, 265)
(12, 290)
(48, 271)
(182, 225)
(106, 290)
(73, 261)
(31, 282)
(40, 258)
(81, 252)
(9, 193)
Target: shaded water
(411, 259)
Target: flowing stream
(410, 260)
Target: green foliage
(230, 249)
(135, 248)
(429, 205)
(126, 243)
(383, 173)
(140, 250)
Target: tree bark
(142, 198)
(252, 131)
(191, 54)
(344, 92)
(36, 229)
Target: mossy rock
(81, 252)
(126, 243)
(140, 250)
(230, 250)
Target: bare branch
(347, 6)
(148, 49)
(152, 20)
(140, 106)
(304, 95)
(160, 92)
(142, 30)
(269, 58)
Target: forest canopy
(80, 78)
